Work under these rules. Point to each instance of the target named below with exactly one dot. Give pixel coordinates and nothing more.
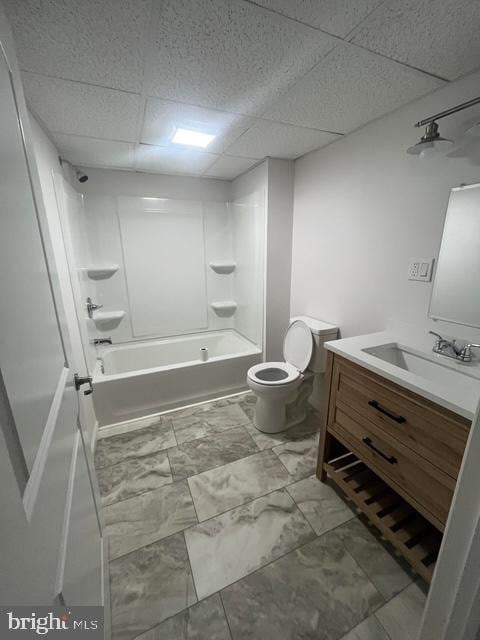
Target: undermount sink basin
(434, 368)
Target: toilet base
(275, 417)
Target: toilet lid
(298, 345)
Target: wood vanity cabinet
(395, 454)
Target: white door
(46, 493)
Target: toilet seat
(259, 373)
(297, 351)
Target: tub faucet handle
(91, 307)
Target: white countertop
(461, 396)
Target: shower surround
(181, 284)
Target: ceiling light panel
(191, 138)
(226, 54)
(89, 41)
(348, 89)
(338, 17)
(438, 36)
(163, 117)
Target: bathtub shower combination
(147, 377)
(177, 287)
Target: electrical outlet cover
(421, 269)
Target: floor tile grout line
(212, 434)
(282, 488)
(193, 502)
(185, 478)
(201, 522)
(248, 502)
(191, 568)
(334, 530)
(225, 614)
(169, 535)
(387, 635)
(216, 467)
(260, 495)
(142, 493)
(137, 457)
(294, 550)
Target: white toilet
(280, 385)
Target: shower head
(81, 177)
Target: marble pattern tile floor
(219, 531)
(133, 476)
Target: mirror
(456, 289)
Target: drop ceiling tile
(348, 89)
(88, 41)
(163, 117)
(82, 109)
(229, 167)
(94, 152)
(227, 54)
(338, 17)
(172, 160)
(278, 141)
(438, 36)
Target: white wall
(276, 179)
(248, 222)
(279, 254)
(134, 183)
(363, 209)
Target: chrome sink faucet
(451, 349)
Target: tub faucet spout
(98, 341)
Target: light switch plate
(421, 269)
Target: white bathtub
(141, 378)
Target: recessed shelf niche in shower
(224, 309)
(101, 271)
(224, 267)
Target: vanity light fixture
(432, 141)
(192, 138)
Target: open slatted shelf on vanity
(417, 539)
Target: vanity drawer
(426, 487)
(433, 432)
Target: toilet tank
(321, 332)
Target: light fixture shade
(430, 143)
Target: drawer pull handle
(390, 459)
(376, 405)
